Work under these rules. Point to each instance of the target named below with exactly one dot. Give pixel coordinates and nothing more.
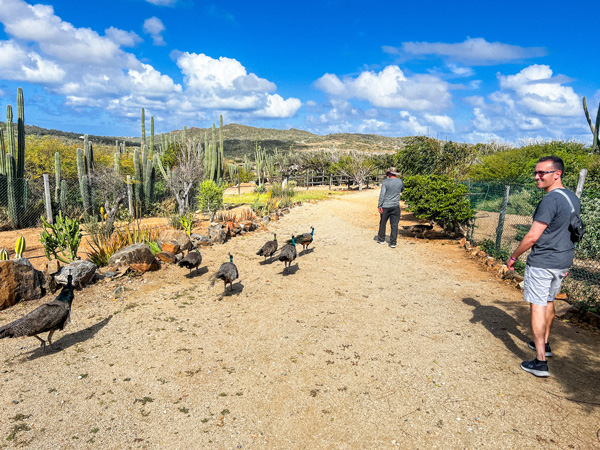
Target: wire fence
(504, 215)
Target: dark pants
(393, 214)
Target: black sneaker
(381, 242)
(536, 367)
(548, 350)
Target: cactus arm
(20, 134)
(143, 126)
(2, 154)
(151, 134)
(10, 133)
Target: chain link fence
(504, 215)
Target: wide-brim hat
(393, 171)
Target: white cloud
(277, 107)
(390, 88)
(20, 64)
(162, 2)
(443, 122)
(412, 125)
(535, 89)
(123, 38)
(154, 27)
(473, 51)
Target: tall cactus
(63, 195)
(20, 134)
(143, 127)
(14, 164)
(84, 181)
(151, 134)
(138, 186)
(2, 154)
(595, 129)
(117, 158)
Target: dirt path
(359, 346)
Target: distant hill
(241, 139)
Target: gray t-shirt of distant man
(554, 249)
(391, 188)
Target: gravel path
(357, 346)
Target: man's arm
(381, 198)
(532, 236)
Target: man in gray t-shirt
(549, 239)
(389, 206)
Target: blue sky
(473, 71)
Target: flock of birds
(228, 271)
(54, 315)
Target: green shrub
(589, 247)
(210, 197)
(438, 198)
(278, 192)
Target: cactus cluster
(214, 161)
(595, 129)
(85, 166)
(12, 164)
(144, 166)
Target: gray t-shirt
(391, 188)
(554, 249)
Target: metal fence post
(48, 199)
(500, 227)
(129, 196)
(580, 182)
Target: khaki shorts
(542, 285)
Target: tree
(112, 190)
(185, 173)
(357, 166)
(289, 163)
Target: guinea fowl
(305, 239)
(228, 272)
(269, 248)
(419, 228)
(191, 261)
(50, 317)
(288, 253)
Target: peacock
(269, 248)
(288, 253)
(50, 317)
(305, 239)
(419, 229)
(228, 272)
(191, 261)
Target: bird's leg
(43, 342)
(50, 337)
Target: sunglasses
(541, 173)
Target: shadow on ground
(68, 340)
(577, 371)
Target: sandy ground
(357, 346)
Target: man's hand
(380, 210)
(510, 263)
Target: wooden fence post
(500, 227)
(580, 182)
(48, 199)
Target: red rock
(167, 257)
(171, 247)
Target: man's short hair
(557, 163)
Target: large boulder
(179, 236)
(137, 257)
(82, 271)
(217, 234)
(19, 280)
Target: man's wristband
(512, 258)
